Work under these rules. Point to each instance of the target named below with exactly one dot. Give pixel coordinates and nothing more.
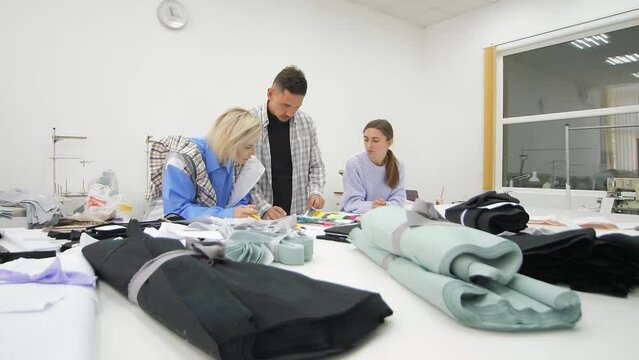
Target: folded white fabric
(30, 239)
(179, 232)
(48, 321)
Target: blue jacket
(179, 191)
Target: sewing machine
(623, 192)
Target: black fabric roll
(507, 217)
(239, 310)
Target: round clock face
(172, 14)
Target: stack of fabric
(291, 248)
(41, 211)
(6, 213)
(469, 274)
(247, 240)
(235, 310)
(608, 264)
(48, 308)
(264, 241)
(490, 212)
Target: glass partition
(534, 153)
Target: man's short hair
(291, 78)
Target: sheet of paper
(178, 231)
(246, 179)
(596, 222)
(545, 220)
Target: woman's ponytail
(392, 170)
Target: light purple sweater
(364, 182)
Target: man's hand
(315, 201)
(243, 211)
(274, 213)
(378, 203)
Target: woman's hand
(378, 203)
(243, 211)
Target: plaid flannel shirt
(184, 148)
(309, 175)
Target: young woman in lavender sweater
(374, 177)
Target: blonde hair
(236, 127)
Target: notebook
(338, 233)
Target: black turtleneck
(281, 163)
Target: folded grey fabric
(41, 211)
(469, 274)
(6, 213)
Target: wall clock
(172, 14)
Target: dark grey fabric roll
(239, 310)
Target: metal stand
(57, 188)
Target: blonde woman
(374, 177)
(198, 173)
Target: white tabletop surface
(417, 330)
(609, 327)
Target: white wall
(452, 105)
(109, 71)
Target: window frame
(607, 24)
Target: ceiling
(424, 12)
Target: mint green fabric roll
(469, 274)
(265, 247)
(443, 245)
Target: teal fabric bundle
(259, 247)
(469, 274)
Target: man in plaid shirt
(295, 176)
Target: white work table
(417, 330)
